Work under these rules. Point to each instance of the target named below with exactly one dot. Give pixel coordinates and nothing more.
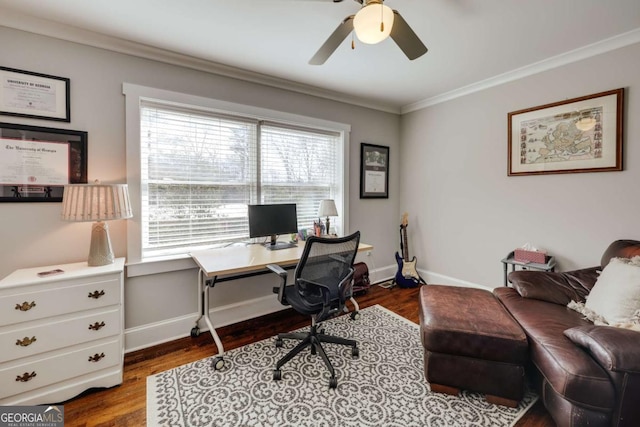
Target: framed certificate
(374, 171)
(34, 95)
(36, 163)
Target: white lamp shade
(368, 20)
(327, 208)
(95, 202)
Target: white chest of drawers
(61, 334)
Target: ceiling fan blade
(405, 38)
(333, 41)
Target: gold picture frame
(576, 135)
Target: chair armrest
(283, 282)
(557, 288)
(278, 270)
(615, 349)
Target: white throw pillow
(616, 294)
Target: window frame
(135, 94)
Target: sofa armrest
(615, 349)
(558, 288)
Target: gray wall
(32, 233)
(451, 158)
(466, 214)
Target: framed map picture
(374, 171)
(577, 135)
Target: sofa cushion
(570, 371)
(615, 349)
(558, 288)
(616, 294)
(620, 249)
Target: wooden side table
(549, 265)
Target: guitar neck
(405, 244)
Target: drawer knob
(25, 306)
(26, 341)
(96, 357)
(96, 294)
(97, 326)
(25, 377)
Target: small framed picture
(374, 171)
(577, 135)
(34, 95)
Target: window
(200, 166)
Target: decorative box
(524, 255)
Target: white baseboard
(389, 272)
(441, 279)
(144, 336)
(167, 330)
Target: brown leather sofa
(588, 375)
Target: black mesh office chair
(322, 284)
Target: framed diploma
(374, 171)
(37, 162)
(34, 95)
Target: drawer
(59, 367)
(36, 337)
(45, 302)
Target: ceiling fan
(373, 23)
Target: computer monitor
(271, 220)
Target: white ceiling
(471, 42)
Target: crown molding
(603, 46)
(18, 21)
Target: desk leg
(355, 314)
(203, 303)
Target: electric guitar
(407, 275)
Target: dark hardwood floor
(125, 405)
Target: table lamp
(97, 202)
(327, 208)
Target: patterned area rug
(385, 386)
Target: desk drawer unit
(61, 334)
(54, 368)
(38, 337)
(37, 302)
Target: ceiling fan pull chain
(353, 42)
(381, 18)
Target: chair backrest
(328, 261)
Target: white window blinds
(199, 170)
(299, 166)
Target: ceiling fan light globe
(367, 22)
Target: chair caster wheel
(195, 331)
(279, 342)
(355, 352)
(333, 382)
(218, 363)
(277, 374)
(355, 315)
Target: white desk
(237, 262)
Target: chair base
(314, 339)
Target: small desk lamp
(327, 208)
(97, 202)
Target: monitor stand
(275, 245)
